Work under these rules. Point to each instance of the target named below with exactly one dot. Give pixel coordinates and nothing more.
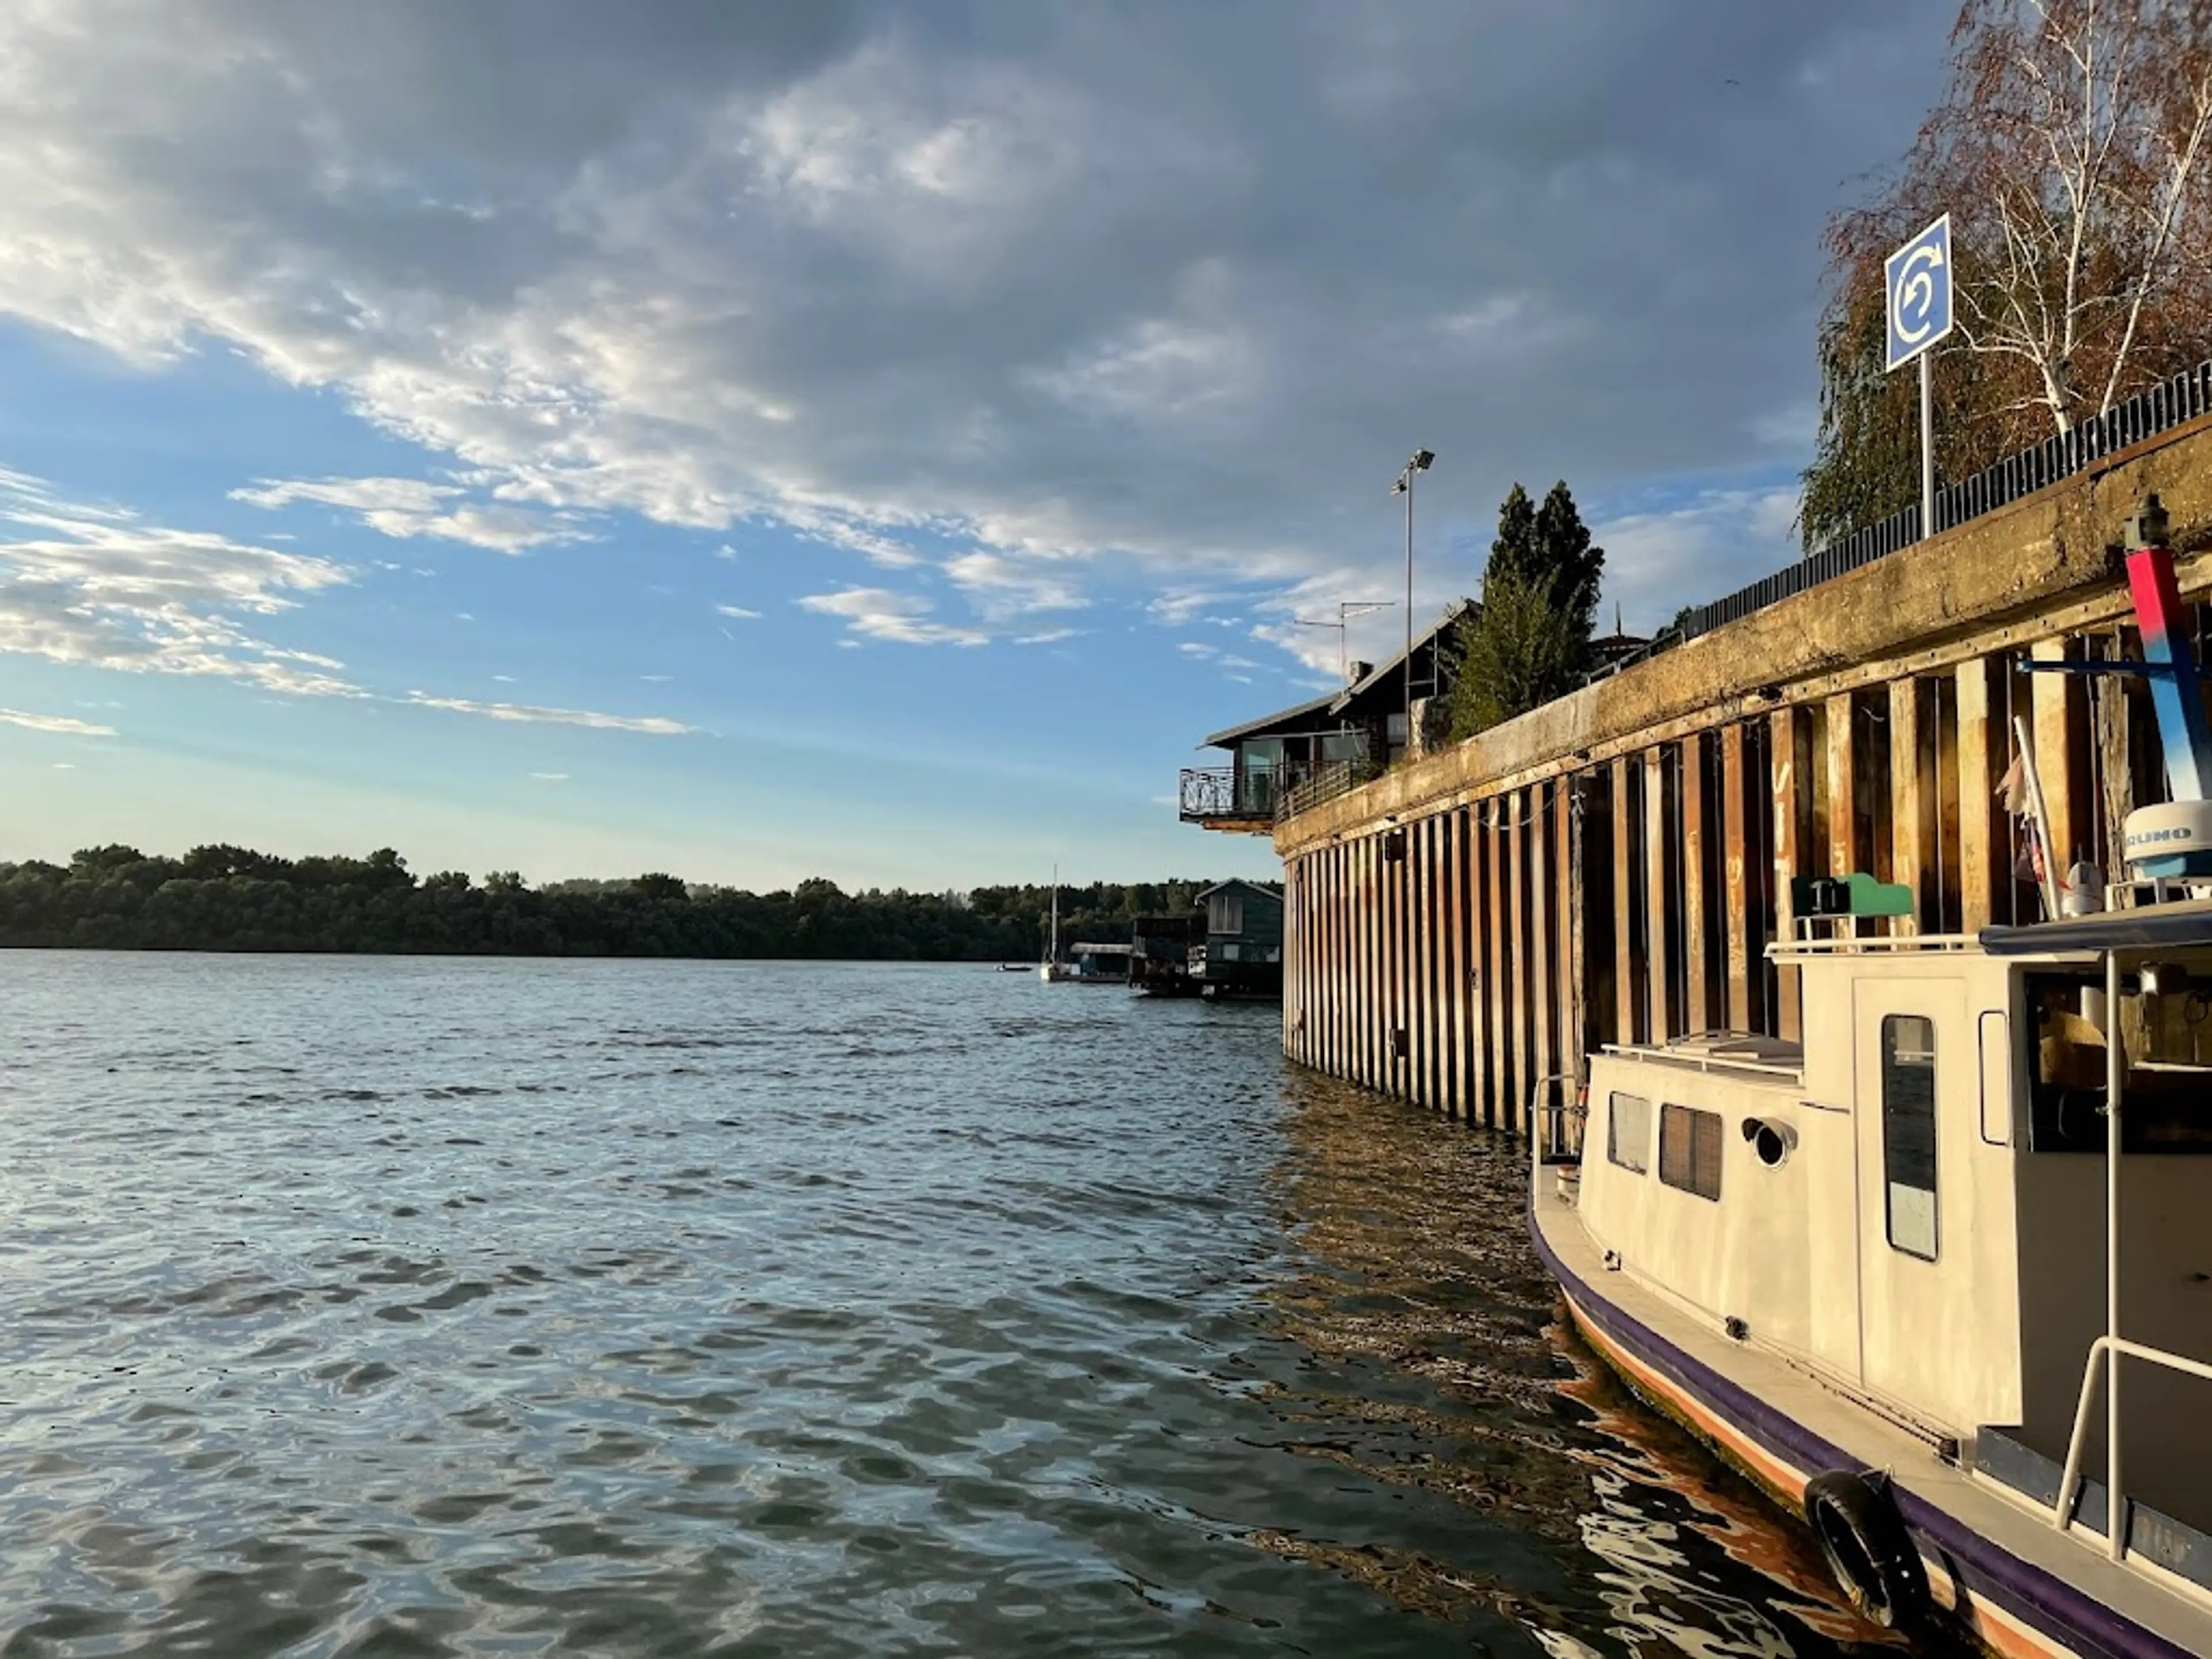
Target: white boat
(1892, 1273)
(1052, 970)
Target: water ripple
(393, 1307)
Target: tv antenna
(1345, 610)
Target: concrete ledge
(2029, 558)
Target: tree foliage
(231, 898)
(2071, 151)
(1521, 649)
(1550, 547)
(1530, 635)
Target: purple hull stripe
(1987, 1571)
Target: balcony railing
(1211, 793)
(1332, 780)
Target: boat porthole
(1868, 1550)
(1771, 1141)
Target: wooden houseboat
(1168, 953)
(1243, 940)
(1893, 1273)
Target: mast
(1053, 954)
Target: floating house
(1167, 953)
(1343, 737)
(1243, 940)
(1094, 963)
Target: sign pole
(1917, 278)
(1927, 445)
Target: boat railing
(2104, 1355)
(1558, 1114)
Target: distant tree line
(232, 898)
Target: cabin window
(1908, 1131)
(1690, 1150)
(2163, 1022)
(1226, 914)
(1628, 1132)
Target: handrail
(1326, 783)
(2116, 1531)
(1553, 1139)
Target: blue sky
(860, 442)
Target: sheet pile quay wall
(1611, 867)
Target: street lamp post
(1421, 461)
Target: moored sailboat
(1052, 970)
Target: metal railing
(2156, 409)
(2105, 1354)
(1559, 1121)
(1337, 778)
(2149, 412)
(1219, 792)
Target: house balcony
(1221, 798)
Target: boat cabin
(1098, 963)
(1168, 953)
(1912, 1207)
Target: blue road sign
(1918, 277)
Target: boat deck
(1998, 1553)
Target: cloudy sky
(858, 440)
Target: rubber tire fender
(1870, 1552)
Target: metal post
(1927, 445)
(1410, 471)
(2115, 1532)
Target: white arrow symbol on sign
(1915, 291)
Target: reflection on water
(383, 1307)
(1444, 1365)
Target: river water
(373, 1306)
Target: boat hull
(2010, 1606)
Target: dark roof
(2153, 927)
(1281, 717)
(1258, 887)
(1383, 672)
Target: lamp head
(1422, 457)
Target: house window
(1908, 1132)
(1690, 1150)
(1225, 914)
(1628, 1132)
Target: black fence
(2149, 412)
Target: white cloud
(62, 725)
(550, 777)
(94, 585)
(737, 613)
(402, 508)
(1049, 636)
(1000, 587)
(1702, 549)
(657, 725)
(879, 614)
(963, 277)
(1179, 607)
(64, 766)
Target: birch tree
(2073, 150)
